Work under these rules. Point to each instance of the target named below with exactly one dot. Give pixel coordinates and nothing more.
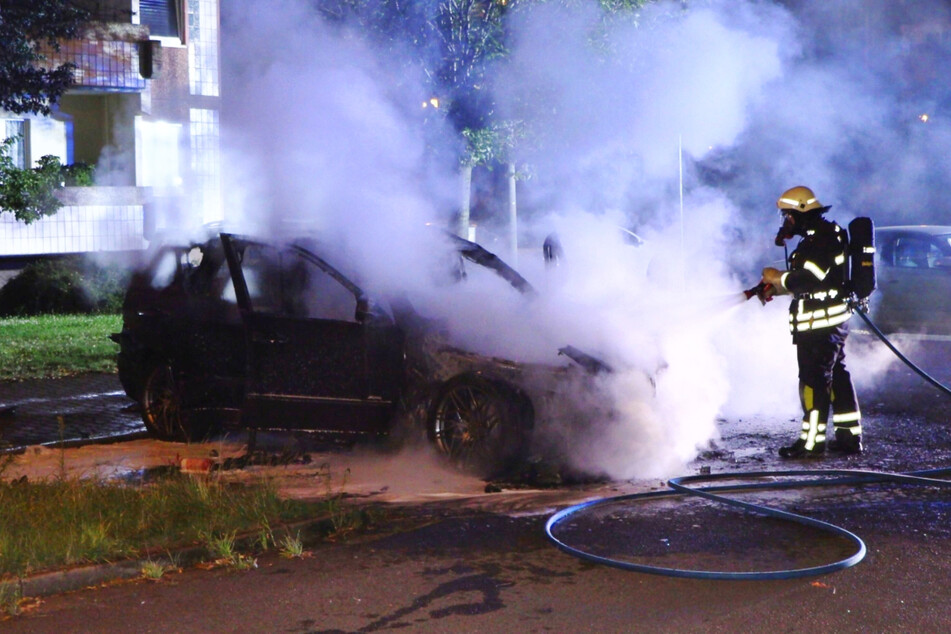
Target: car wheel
(132, 372)
(480, 425)
(162, 407)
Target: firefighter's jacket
(817, 277)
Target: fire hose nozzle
(762, 291)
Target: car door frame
(311, 373)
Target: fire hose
(863, 314)
(826, 477)
(679, 487)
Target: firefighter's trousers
(825, 382)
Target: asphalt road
(491, 573)
(70, 411)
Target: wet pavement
(69, 411)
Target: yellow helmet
(798, 199)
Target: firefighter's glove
(765, 293)
(774, 279)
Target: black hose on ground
(862, 313)
(678, 487)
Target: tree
(456, 44)
(29, 194)
(489, 146)
(452, 42)
(26, 26)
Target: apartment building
(144, 110)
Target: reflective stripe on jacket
(817, 278)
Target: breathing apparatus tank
(861, 257)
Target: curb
(49, 583)
(78, 442)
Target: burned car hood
(429, 340)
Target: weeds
(220, 546)
(265, 535)
(154, 570)
(61, 427)
(343, 519)
(292, 547)
(10, 596)
(6, 459)
(63, 522)
(223, 551)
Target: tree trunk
(513, 216)
(461, 228)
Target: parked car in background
(269, 334)
(913, 269)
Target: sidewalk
(70, 411)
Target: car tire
(132, 374)
(481, 426)
(163, 410)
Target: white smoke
(325, 134)
(684, 127)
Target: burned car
(271, 335)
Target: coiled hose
(679, 487)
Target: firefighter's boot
(798, 450)
(846, 442)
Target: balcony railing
(107, 10)
(91, 219)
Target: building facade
(144, 110)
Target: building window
(163, 17)
(203, 133)
(203, 47)
(16, 128)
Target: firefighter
(818, 319)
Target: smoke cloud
(681, 125)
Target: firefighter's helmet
(799, 199)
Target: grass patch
(51, 346)
(156, 569)
(60, 522)
(292, 547)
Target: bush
(30, 194)
(78, 174)
(65, 286)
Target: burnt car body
(270, 335)
(913, 267)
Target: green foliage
(25, 27)
(155, 570)
(64, 286)
(617, 6)
(29, 194)
(292, 546)
(494, 143)
(451, 42)
(79, 174)
(44, 287)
